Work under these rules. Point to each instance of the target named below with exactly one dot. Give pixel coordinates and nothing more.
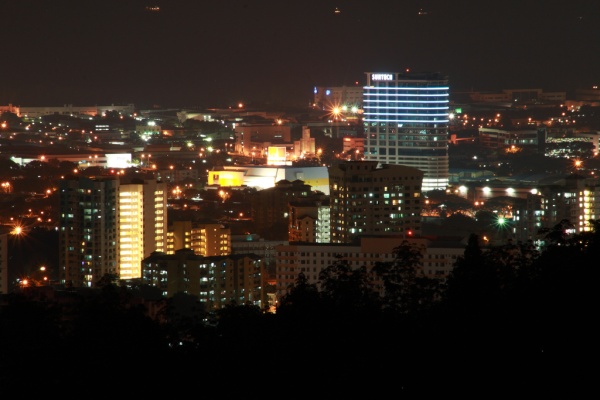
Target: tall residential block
(89, 229)
(406, 122)
(108, 226)
(370, 198)
(142, 223)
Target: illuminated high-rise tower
(89, 229)
(107, 227)
(406, 122)
(142, 223)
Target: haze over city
(185, 53)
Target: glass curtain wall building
(406, 122)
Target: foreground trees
(507, 319)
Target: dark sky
(217, 53)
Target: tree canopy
(507, 318)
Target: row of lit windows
(406, 111)
(420, 121)
(412, 134)
(405, 101)
(403, 91)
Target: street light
(336, 116)
(177, 192)
(44, 274)
(336, 113)
(224, 195)
(17, 230)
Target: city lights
(17, 230)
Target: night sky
(198, 53)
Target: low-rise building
(205, 239)
(217, 281)
(439, 256)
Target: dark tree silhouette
(559, 233)
(404, 288)
(302, 300)
(508, 319)
(347, 290)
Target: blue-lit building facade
(406, 122)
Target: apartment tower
(142, 223)
(89, 230)
(107, 227)
(406, 122)
(370, 198)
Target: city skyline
(183, 53)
